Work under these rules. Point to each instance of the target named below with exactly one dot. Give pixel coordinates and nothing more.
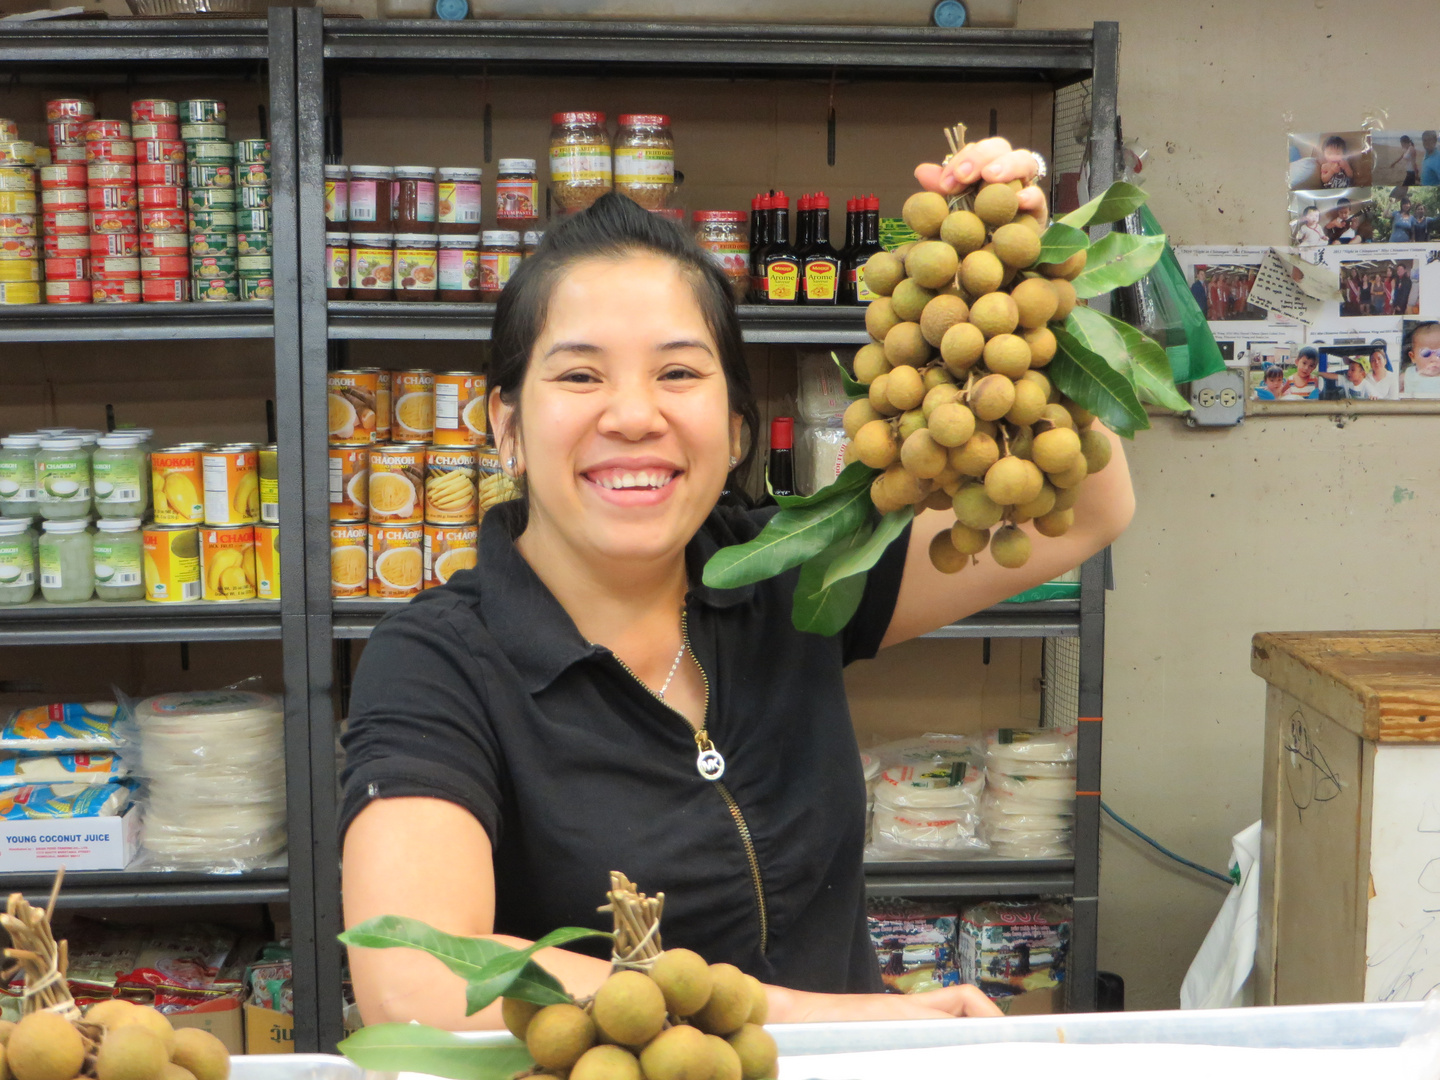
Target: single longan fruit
(879, 398)
(884, 500)
(606, 1063)
(727, 1061)
(132, 1052)
(1066, 299)
(935, 375)
(1036, 301)
(964, 231)
(1012, 481)
(996, 204)
(975, 456)
(937, 395)
(1022, 442)
(1008, 355)
(857, 414)
(1082, 418)
(1058, 416)
(869, 362)
(875, 445)
(1066, 498)
(911, 421)
(201, 1054)
(940, 315)
(925, 212)
(976, 510)
(981, 272)
(154, 1021)
(909, 300)
(1056, 450)
(880, 317)
(1069, 270)
(1017, 245)
(939, 499)
(922, 456)
(1010, 547)
(995, 314)
(883, 271)
(932, 264)
(517, 1015)
(1096, 448)
(759, 1056)
(1073, 476)
(969, 541)
(951, 424)
(558, 1035)
(1055, 523)
(943, 554)
(1029, 404)
(759, 1001)
(905, 389)
(1042, 345)
(1039, 506)
(629, 1008)
(678, 1053)
(44, 1046)
(905, 346)
(992, 397)
(961, 347)
(108, 1013)
(1039, 380)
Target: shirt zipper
(703, 743)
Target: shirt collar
(531, 627)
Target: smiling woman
(583, 702)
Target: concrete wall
(1279, 524)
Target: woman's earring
(734, 461)
(510, 464)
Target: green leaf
(393, 1048)
(861, 559)
(1117, 201)
(1147, 365)
(855, 475)
(1117, 259)
(499, 975)
(818, 609)
(465, 956)
(1059, 242)
(1092, 382)
(853, 389)
(788, 539)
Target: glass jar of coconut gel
(67, 561)
(17, 561)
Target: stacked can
(19, 245)
(210, 169)
(252, 214)
(114, 205)
(160, 172)
(65, 203)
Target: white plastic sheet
(1216, 978)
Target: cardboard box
(268, 1031)
(99, 843)
(220, 1018)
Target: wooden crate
(1350, 875)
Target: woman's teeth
(641, 479)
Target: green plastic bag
(1163, 297)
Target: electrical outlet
(1218, 400)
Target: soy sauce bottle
(782, 455)
(867, 243)
(779, 264)
(759, 238)
(821, 263)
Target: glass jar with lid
(18, 497)
(120, 470)
(459, 269)
(412, 196)
(457, 206)
(531, 240)
(645, 159)
(118, 547)
(67, 561)
(499, 256)
(415, 264)
(372, 266)
(369, 198)
(62, 478)
(725, 234)
(17, 561)
(517, 194)
(337, 266)
(337, 195)
(580, 166)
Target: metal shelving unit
(113, 53)
(331, 47)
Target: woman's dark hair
(613, 228)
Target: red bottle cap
(767, 202)
(872, 202)
(803, 204)
(820, 201)
(782, 433)
(755, 203)
(780, 201)
(850, 206)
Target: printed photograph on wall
(1380, 284)
(1319, 218)
(1271, 365)
(1401, 157)
(1406, 215)
(1220, 279)
(1359, 365)
(1331, 159)
(1420, 360)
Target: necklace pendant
(710, 765)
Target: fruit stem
(637, 925)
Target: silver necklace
(673, 668)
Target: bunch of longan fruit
(115, 1040)
(960, 414)
(683, 1020)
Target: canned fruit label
(67, 269)
(160, 174)
(251, 150)
(106, 129)
(115, 268)
(200, 151)
(202, 111)
(349, 561)
(164, 266)
(494, 485)
(450, 494)
(109, 245)
(19, 292)
(370, 267)
(124, 291)
(448, 550)
(60, 246)
(352, 405)
(24, 224)
(232, 487)
(118, 221)
(515, 200)
(267, 562)
(120, 151)
(414, 415)
(212, 243)
(162, 221)
(68, 292)
(118, 481)
(249, 219)
(253, 174)
(17, 561)
(349, 482)
(397, 485)
(17, 480)
(17, 202)
(17, 152)
(65, 199)
(64, 222)
(213, 266)
(197, 132)
(262, 288)
(176, 487)
(154, 110)
(109, 173)
(212, 221)
(459, 203)
(112, 197)
(415, 269)
(172, 565)
(269, 469)
(64, 482)
(210, 176)
(396, 563)
(118, 561)
(165, 290)
(256, 243)
(154, 131)
(18, 247)
(255, 198)
(162, 198)
(160, 152)
(216, 290)
(69, 109)
(20, 270)
(460, 410)
(254, 265)
(227, 563)
(384, 398)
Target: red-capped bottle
(821, 263)
(759, 237)
(778, 262)
(803, 223)
(782, 455)
(867, 244)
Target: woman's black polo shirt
(483, 693)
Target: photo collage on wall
(1364, 187)
(1380, 341)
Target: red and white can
(59, 247)
(162, 221)
(165, 290)
(67, 133)
(65, 222)
(18, 203)
(63, 176)
(160, 174)
(116, 150)
(18, 247)
(164, 244)
(154, 131)
(162, 198)
(116, 292)
(114, 197)
(114, 221)
(68, 155)
(115, 268)
(103, 130)
(156, 151)
(106, 245)
(164, 266)
(101, 173)
(67, 269)
(68, 292)
(64, 199)
(69, 109)
(154, 111)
